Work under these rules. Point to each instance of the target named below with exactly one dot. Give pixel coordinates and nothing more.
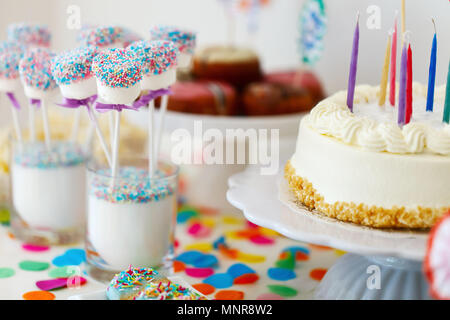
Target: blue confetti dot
(185, 215)
(72, 257)
(220, 240)
(205, 261)
(219, 280)
(190, 256)
(293, 250)
(239, 269)
(281, 274)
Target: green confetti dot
(283, 291)
(288, 263)
(63, 272)
(6, 272)
(29, 265)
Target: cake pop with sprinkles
(72, 71)
(105, 37)
(183, 40)
(167, 290)
(118, 73)
(159, 61)
(34, 35)
(35, 73)
(10, 55)
(128, 283)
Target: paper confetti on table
(34, 248)
(317, 274)
(63, 272)
(72, 257)
(38, 295)
(283, 291)
(6, 272)
(204, 288)
(58, 283)
(219, 280)
(199, 272)
(229, 295)
(281, 274)
(29, 265)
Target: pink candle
(393, 65)
(409, 81)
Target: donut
(104, 37)
(118, 75)
(167, 290)
(30, 34)
(36, 74)
(128, 283)
(183, 40)
(158, 60)
(238, 66)
(10, 55)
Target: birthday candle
(409, 81)
(446, 117)
(432, 74)
(353, 67)
(393, 65)
(384, 76)
(402, 88)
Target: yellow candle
(384, 76)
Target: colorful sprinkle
(247, 278)
(199, 272)
(317, 274)
(219, 280)
(167, 290)
(281, 274)
(184, 40)
(38, 295)
(229, 295)
(101, 36)
(156, 56)
(6, 272)
(204, 288)
(34, 248)
(35, 69)
(10, 55)
(29, 265)
(29, 34)
(74, 65)
(239, 269)
(283, 291)
(117, 68)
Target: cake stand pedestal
(383, 264)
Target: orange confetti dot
(246, 278)
(316, 246)
(317, 274)
(204, 288)
(178, 266)
(10, 235)
(301, 256)
(38, 295)
(230, 253)
(248, 233)
(229, 295)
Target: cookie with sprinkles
(184, 40)
(72, 71)
(159, 61)
(167, 290)
(103, 37)
(128, 283)
(10, 55)
(118, 73)
(34, 35)
(35, 73)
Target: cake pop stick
(118, 75)
(31, 121)
(38, 82)
(75, 126)
(159, 60)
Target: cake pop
(105, 37)
(29, 34)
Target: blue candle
(353, 67)
(402, 88)
(432, 75)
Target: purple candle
(402, 88)
(353, 67)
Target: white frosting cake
(362, 167)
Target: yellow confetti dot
(209, 222)
(339, 252)
(250, 258)
(268, 232)
(200, 246)
(231, 220)
(232, 235)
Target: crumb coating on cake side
(372, 216)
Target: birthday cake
(363, 167)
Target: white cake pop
(10, 55)
(118, 73)
(32, 35)
(183, 40)
(103, 37)
(72, 72)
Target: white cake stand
(382, 264)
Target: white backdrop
(276, 39)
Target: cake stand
(381, 264)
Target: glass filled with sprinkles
(48, 192)
(131, 217)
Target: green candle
(447, 98)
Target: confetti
(238, 269)
(6, 272)
(317, 274)
(300, 256)
(29, 265)
(34, 248)
(199, 272)
(38, 295)
(198, 230)
(231, 220)
(63, 272)
(189, 257)
(229, 295)
(185, 215)
(205, 261)
(72, 257)
(287, 263)
(200, 246)
(247, 278)
(204, 288)
(250, 258)
(219, 280)
(220, 240)
(339, 252)
(294, 250)
(228, 252)
(269, 296)
(178, 266)
(281, 274)
(58, 283)
(283, 291)
(261, 240)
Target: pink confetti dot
(199, 230)
(269, 296)
(261, 240)
(199, 272)
(34, 248)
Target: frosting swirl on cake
(374, 128)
